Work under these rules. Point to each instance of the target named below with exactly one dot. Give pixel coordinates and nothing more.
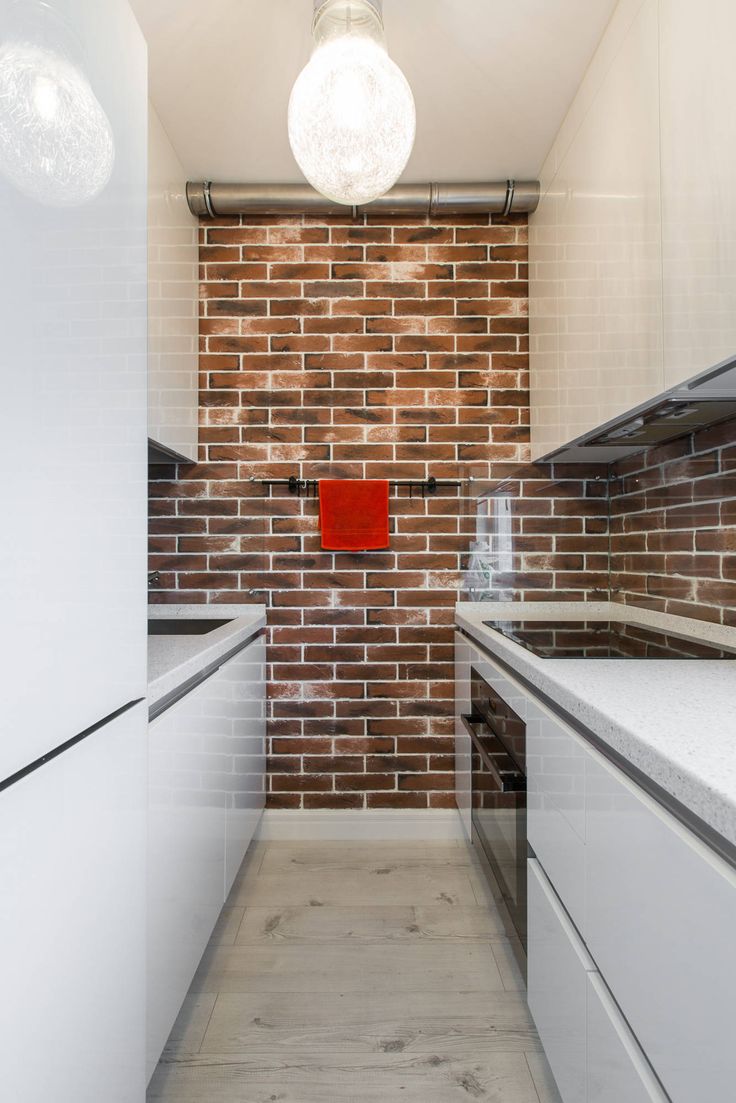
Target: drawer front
(188, 752)
(556, 760)
(617, 1068)
(661, 917)
(556, 817)
(560, 850)
(558, 966)
(241, 702)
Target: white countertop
(173, 660)
(674, 719)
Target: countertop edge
(190, 655)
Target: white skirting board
(430, 825)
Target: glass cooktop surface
(603, 639)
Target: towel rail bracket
(309, 488)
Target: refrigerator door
(73, 131)
(72, 922)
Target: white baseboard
(409, 825)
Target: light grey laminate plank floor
(345, 973)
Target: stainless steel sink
(180, 626)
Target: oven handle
(511, 781)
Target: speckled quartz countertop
(174, 660)
(673, 719)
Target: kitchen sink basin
(179, 626)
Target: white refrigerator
(73, 109)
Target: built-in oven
(498, 803)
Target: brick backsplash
(542, 535)
(673, 526)
(657, 530)
(344, 349)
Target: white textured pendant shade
(56, 144)
(352, 120)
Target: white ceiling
(492, 80)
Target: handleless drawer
(558, 967)
(556, 760)
(661, 918)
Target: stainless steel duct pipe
(208, 200)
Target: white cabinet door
(463, 747)
(698, 142)
(242, 688)
(661, 916)
(610, 275)
(558, 965)
(188, 758)
(173, 300)
(72, 923)
(207, 789)
(595, 253)
(555, 762)
(73, 369)
(617, 1068)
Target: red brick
(315, 339)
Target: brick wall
(673, 526)
(658, 529)
(542, 535)
(394, 350)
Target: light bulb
(56, 143)
(352, 120)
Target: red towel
(353, 514)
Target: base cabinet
(558, 967)
(72, 922)
(206, 794)
(661, 915)
(556, 807)
(592, 1052)
(631, 920)
(242, 704)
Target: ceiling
(492, 80)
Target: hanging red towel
(353, 514)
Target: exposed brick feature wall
(348, 350)
(657, 530)
(542, 535)
(673, 526)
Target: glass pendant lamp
(352, 120)
(56, 143)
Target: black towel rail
(309, 488)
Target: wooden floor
(346, 973)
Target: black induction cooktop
(602, 639)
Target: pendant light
(352, 120)
(56, 142)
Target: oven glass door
(499, 796)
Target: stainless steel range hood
(704, 400)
